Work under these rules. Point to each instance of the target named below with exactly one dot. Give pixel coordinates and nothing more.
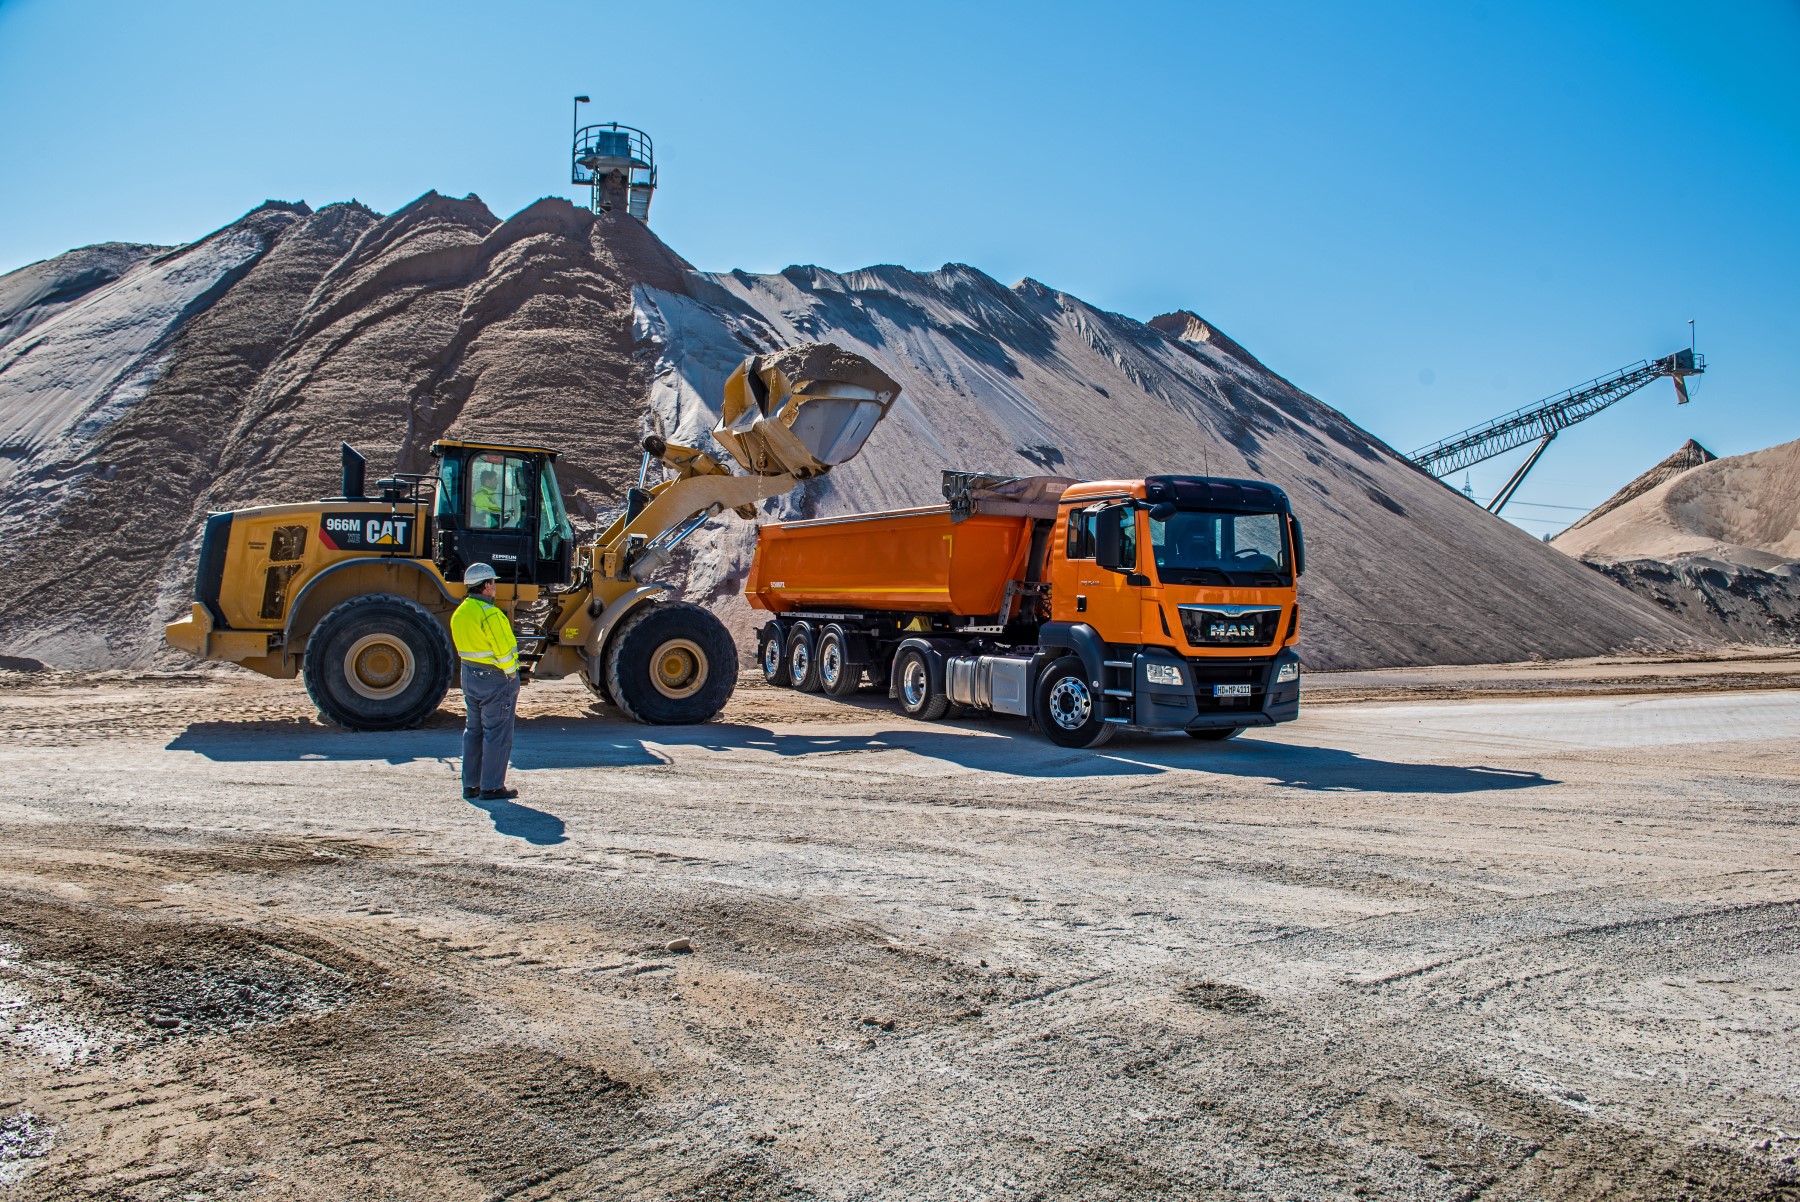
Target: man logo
(1231, 630)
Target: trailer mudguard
(1081, 639)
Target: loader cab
(500, 505)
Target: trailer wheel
(768, 654)
(801, 658)
(378, 662)
(1217, 734)
(671, 664)
(1069, 706)
(837, 675)
(917, 698)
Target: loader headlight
(1288, 671)
(1162, 674)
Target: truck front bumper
(1215, 694)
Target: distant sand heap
(142, 386)
(1715, 542)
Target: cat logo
(359, 531)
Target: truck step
(1117, 692)
(1119, 663)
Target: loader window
(554, 531)
(498, 492)
(449, 485)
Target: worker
(490, 685)
(487, 499)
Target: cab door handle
(1080, 603)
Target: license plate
(1231, 690)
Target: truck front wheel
(1069, 707)
(918, 699)
(378, 663)
(671, 664)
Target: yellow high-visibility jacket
(487, 508)
(484, 635)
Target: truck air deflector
(1209, 492)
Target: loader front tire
(671, 664)
(378, 663)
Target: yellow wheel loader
(356, 592)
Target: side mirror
(1299, 545)
(1162, 511)
(1111, 551)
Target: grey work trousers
(489, 696)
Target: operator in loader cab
(490, 685)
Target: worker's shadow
(1010, 748)
(522, 822)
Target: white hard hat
(479, 573)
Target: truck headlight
(1162, 674)
(1288, 671)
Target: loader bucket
(802, 411)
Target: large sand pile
(141, 387)
(226, 373)
(1027, 379)
(1716, 543)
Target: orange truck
(1166, 603)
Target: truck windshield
(1245, 549)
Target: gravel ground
(1507, 948)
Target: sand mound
(1716, 543)
(1743, 510)
(140, 388)
(1686, 457)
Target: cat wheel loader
(355, 592)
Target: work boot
(498, 794)
(470, 792)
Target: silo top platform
(600, 149)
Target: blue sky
(1425, 214)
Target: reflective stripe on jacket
(484, 635)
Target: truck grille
(1230, 625)
(1210, 672)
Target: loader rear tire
(837, 675)
(671, 664)
(800, 656)
(378, 663)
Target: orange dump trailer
(917, 561)
(1165, 603)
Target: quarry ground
(1542, 941)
